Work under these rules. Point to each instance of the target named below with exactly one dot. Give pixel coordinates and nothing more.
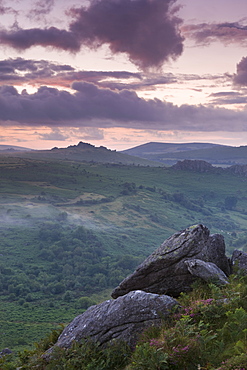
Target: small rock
(239, 258)
(5, 351)
(207, 271)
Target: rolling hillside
(154, 148)
(12, 148)
(169, 154)
(84, 152)
(71, 230)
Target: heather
(208, 331)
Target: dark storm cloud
(146, 30)
(240, 78)
(206, 33)
(95, 107)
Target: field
(71, 231)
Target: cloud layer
(227, 33)
(228, 98)
(92, 106)
(21, 70)
(147, 31)
(41, 72)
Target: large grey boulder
(122, 319)
(165, 270)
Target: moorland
(170, 153)
(72, 229)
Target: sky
(121, 73)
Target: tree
(231, 202)
(85, 302)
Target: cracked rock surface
(165, 270)
(121, 319)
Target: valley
(72, 230)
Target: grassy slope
(147, 149)
(87, 153)
(207, 332)
(217, 155)
(36, 191)
(170, 154)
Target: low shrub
(208, 332)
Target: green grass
(129, 210)
(207, 332)
(21, 326)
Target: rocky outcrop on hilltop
(197, 165)
(166, 270)
(239, 170)
(122, 319)
(193, 165)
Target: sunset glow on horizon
(120, 73)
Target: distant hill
(219, 155)
(149, 154)
(154, 148)
(84, 152)
(169, 153)
(12, 148)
